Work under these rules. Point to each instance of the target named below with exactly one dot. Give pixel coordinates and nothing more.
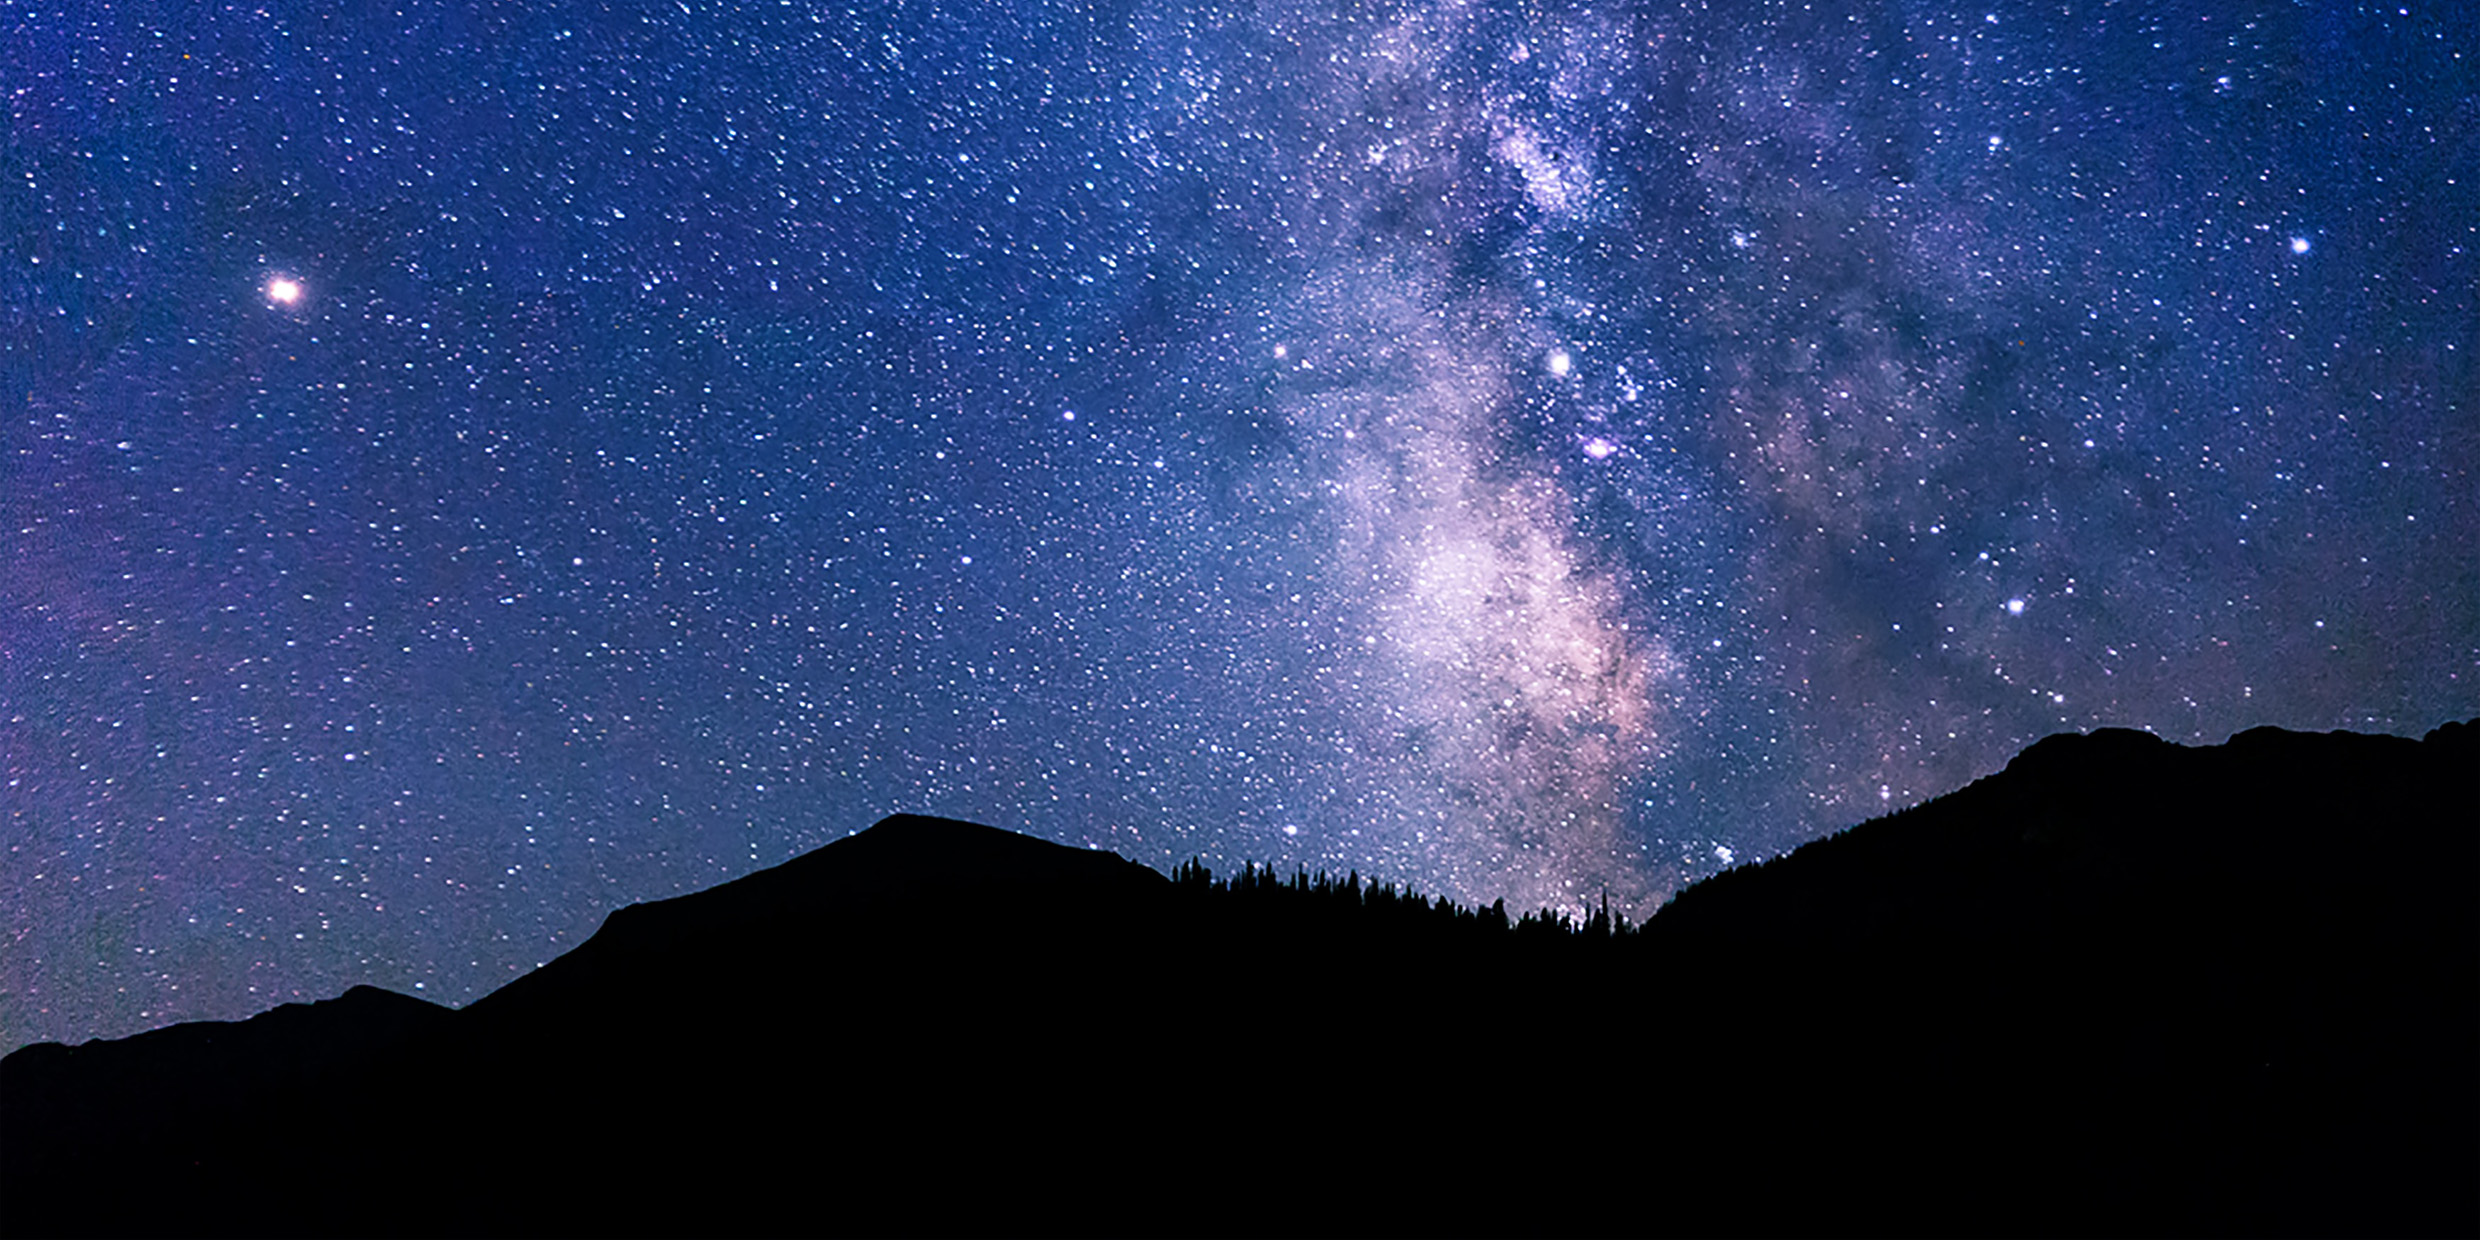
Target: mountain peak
(912, 855)
(891, 872)
(2066, 750)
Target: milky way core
(1496, 678)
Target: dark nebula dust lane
(473, 470)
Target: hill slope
(2226, 989)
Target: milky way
(472, 471)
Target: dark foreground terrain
(2121, 987)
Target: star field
(471, 468)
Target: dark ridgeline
(2122, 986)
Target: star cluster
(473, 468)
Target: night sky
(468, 467)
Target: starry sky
(468, 467)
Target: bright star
(284, 290)
(2299, 245)
(1599, 449)
(1560, 362)
(2014, 607)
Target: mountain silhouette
(2121, 986)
